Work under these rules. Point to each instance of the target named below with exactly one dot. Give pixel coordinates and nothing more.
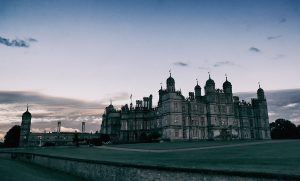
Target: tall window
(176, 133)
(176, 119)
(175, 106)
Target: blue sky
(100, 50)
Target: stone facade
(216, 115)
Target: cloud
(224, 63)
(291, 105)
(116, 97)
(254, 49)
(64, 129)
(204, 68)
(182, 64)
(280, 56)
(17, 42)
(32, 39)
(273, 37)
(282, 20)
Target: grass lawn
(179, 144)
(274, 157)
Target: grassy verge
(277, 157)
(179, 144)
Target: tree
(283, 129)
(12, 137)
(76, 139)
(105, 138)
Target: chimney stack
(83, 127)
(58, 126)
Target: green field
(179, 144)
(269, 156)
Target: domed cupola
(210, 82)
(26, 115)
(170, 84)
(197, 87)
(227, 87)
(260, 93)
(209, 86)
(110, 108)
(197, 90)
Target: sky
(79, 54)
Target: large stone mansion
(213, 116)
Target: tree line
(280, 129)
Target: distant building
(213, 116)
(58, 138)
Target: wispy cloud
(204, 68)
(291, 105)
(182, 64)
(254, 49)
(17, 42)
(32, 39)
(282, 20)
(120, 96)
(274, 37)
(224, 63)
(280, 56)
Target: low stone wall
(102, 170)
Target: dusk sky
(68, 58)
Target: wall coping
(205, 171)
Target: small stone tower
(227, 88)
(25, 128)
(261, 113)
(209, 86)
(198, 91)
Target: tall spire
(258, 84)
(170, 72)
(209, 75)
(27, 107)
(197, 81)
(160, 86)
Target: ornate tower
(227, 87)
(197, 91)
(25, 128)
(209, 86)
(260, 94)
(170, 84)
